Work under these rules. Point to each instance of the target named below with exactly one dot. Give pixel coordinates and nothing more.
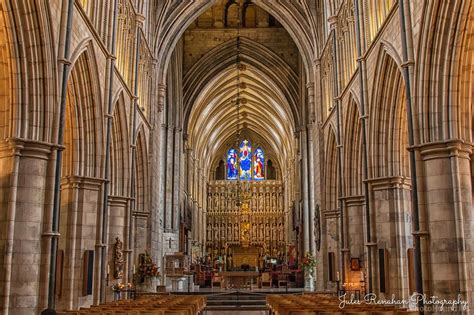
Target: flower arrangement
(118, 286)
(308, 262)
(147, 269)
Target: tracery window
(246, 166)
(245, 159)
(231, 164)
(259, 165)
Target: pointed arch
(141, 169)
(388, 119)
(27, 51)
(252, 53)
(331, 171)
(444, 86)
(119, 149)
(84, 123)
(353, 149)
(7, 81)
(294, 16)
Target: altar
(239, 279)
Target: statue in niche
(254, 231)
(236, 231)
(282, 232)
(274, 231)
(229, 232)
(223, 230)
(216, 231)
(267, 231)
(118, 259)
(209, 232)
(261, 231)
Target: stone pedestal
(309, 281)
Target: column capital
(389, 182)
(27, 148)
(444, 149)
(332, 20)
(161, 93)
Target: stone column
(170, 167)
(311, 165)
(176, 179)
(203, 214)
(392, 232)
(305, 188)
(156, 210)
(355, 224)
(162, 175)
(23, 166)
(449, 219)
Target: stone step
(230, 298)
(235, 307)
(234, 302)
(237, 302)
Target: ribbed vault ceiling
(213, 118)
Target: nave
(167, 146)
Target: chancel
(190, 156)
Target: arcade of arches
(255, 130)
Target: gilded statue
(245, 227)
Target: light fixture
(242, 191)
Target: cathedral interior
(328, 142)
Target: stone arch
(27, 51)
(142, 222)
(330, 172)
(353, 154)
(388, 119)
(444, 88)
(223, 56)
(119, 150)
(83, 123)
(141, 169)
(6, 79)
(290, 15)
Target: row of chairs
(325, 304)
(148, 305)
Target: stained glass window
(259, 165)
(232, 164)
(245, 160)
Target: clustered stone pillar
(304, 177)
(311, 164)
(448, 261)
(24, 169)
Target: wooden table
(239, 279)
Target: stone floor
(235, 313)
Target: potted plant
(147, 271)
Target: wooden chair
(266, 280)
(216, 280)
(283, 276)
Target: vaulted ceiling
(268, 89)
(268, 86)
